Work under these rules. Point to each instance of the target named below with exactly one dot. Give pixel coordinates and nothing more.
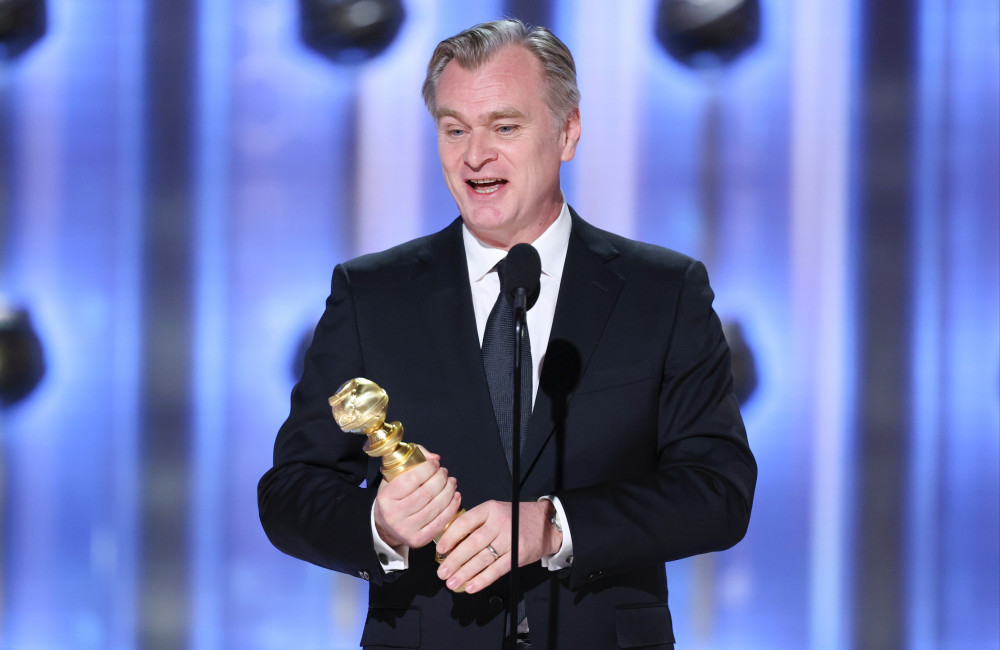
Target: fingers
(414, 507)
(462, 527)
(493, 571)
(421, 502)
(436, 525)
(474, 565)
(429, 455)
(467, 542)
(468, 549)
(480, 571)
(410, 480)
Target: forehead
(513, 78)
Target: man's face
(501, 148)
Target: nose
(480, 149)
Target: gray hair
(478, 45)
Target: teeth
(486, 185)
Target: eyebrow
(492, 116)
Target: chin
(485, 219)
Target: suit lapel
(587, 296)
(450, 326)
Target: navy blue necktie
(498, 360)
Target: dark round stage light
(707, 33)
(350, 31)
(22, 23)
(22, 363)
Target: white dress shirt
(481, 259)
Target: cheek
(449, 157)
(544, 168)
(450, 171)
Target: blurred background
(178, 179)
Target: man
(635, 453)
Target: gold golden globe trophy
(359, 406)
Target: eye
(507, 129)
(452, 131)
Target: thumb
(428, 454)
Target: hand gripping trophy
(359, 407)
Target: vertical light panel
(668, 145)
(391, 121)
(31, 194)
(610, 44)
(71, 553)
(36, 434)
(930, 204)
(167, 399)
(289, 184)
(970, 450)
(821, 51)
(129, 30)
(31, 188)
(214, 20)
(747, 246)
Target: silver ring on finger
(493, 552)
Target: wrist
(384, 532)
(389, 539)
(553, 528)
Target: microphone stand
(520, 315)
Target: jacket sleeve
(699, 496)
(312, 502)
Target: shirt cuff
(564, 556)
(391, 559)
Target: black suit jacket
(635, 428)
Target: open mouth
(486, 185)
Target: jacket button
(496, 604)
(364, 575)
(595, 575)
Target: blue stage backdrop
(178, 179)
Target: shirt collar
(551, 246)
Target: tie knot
(500, 270)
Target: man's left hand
(467, 543)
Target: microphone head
(523, 269)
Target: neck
(527, 235)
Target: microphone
(522, 270)
(522, 279)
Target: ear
(570, 134)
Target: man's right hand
(415, 506)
